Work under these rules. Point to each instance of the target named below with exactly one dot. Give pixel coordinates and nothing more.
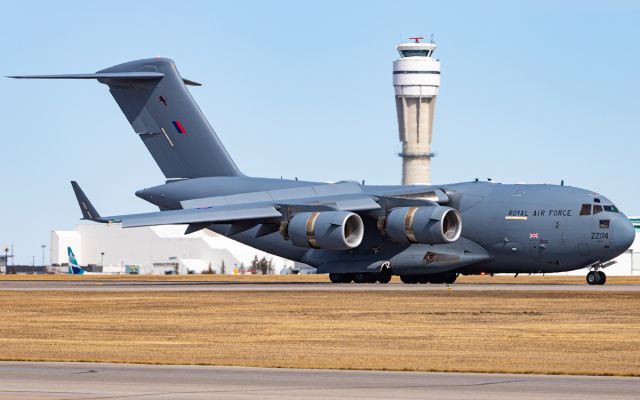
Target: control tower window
(416, 53)
(611, 209)
(586, 209)
(597, 208)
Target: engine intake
(426, 225)
(330, 230)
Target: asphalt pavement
(25, 380)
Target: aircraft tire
(603, 277)
(406, 279)
(422, 279)
(370, 278)
(450, 278)
(593, 278)
(340, 278)
(347, 278)
(360, 277)
(384, 276)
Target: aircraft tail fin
(154, 98)
(74, 267)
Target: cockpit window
(611, 209)
(597, 208)
(586, 209)
(596, 200)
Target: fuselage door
(534, 247)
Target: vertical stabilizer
(154, 98)
(169, 122)
(74, 267)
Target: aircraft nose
(624, 234)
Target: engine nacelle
(330, 230)
(426, 225)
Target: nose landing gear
(596, 278)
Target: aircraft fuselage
(523, 228)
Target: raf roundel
(179, 127)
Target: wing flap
(195, 216)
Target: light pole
(6, 260)
(43, 246)
(102, 260)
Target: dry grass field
(523, 332)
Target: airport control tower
(416, 79)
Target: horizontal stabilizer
(98, 75)
(107, 75)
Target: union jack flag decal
(533, 236)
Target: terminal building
(109, 248)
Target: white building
(154, 250)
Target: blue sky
(531, 92)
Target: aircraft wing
(346, 196)
(227, 209)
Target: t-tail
(74, 268)
(154, 98)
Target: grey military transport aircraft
(352, 231)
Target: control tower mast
(416, 79)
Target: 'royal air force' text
(540, 213)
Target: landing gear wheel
(370, 278)
(408, 279)
(449, 278)
(603, 277)
(593, 278)
(341, 278)
(360, 277)
(384, 276)
(422, 279)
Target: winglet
(88, 211)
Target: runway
(23, 380)
(151, 285)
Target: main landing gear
(596, 278)
(383, 276)
(447, 278)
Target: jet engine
(426, 225)
(330, 230)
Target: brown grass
(523, 332)
(521, 279)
